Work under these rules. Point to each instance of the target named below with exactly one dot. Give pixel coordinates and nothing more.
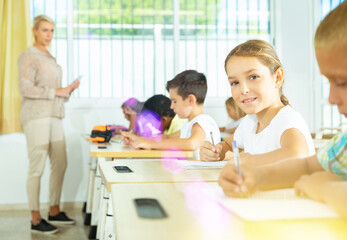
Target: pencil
(236, 157)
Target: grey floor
(15, 225)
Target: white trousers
(45, 137)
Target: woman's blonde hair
(333, 29)
(37, 21)
(231, 102)
(265, 53)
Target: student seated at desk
(236, 115)
(131, 107)
(322, 177)
(271, 130)
(187, 93)
(159, 105)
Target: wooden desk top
(119, 150)
(153, 171)
(194, 218)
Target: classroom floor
(15, 225)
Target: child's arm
(129, 137)
(293, 145)
(281, 174)
(325, 187)
(174, 135)
(188, 144)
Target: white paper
(272, 205)
(189, 164)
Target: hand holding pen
(137, 142)
(126, 136)
(237, 183)
(209, 151)
(236, 157)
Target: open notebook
(193, 164)
(272, 205)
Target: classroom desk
(194, 218)
(144, 171)
(119, 150)
(86, 136)
(151, 171)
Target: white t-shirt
(233, 124)
(269, 139)
(207, 124)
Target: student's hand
(208, 152)
(313, 185)
(136, 141)
(126, 137)
(236, 186)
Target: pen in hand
(212, 139)
(236, 157)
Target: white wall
(294, 45)
(294, 40)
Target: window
(129, 48)
(330, 116)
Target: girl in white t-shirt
(271, 130)
(236, 115)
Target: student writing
(271, 130)
(187, 93)
(323, 176)
(159, 105)
(131, 107)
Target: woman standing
(42, 111)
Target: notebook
(196, 165)
(272, 205)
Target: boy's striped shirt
(333, 155)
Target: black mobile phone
(122, 169)
(149, 208)
(102, 147)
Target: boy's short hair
(159, 104)
(189, 82)
(333, 28)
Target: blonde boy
(187, 93)
(322, 177)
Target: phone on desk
(122, 169)
(149, 208)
